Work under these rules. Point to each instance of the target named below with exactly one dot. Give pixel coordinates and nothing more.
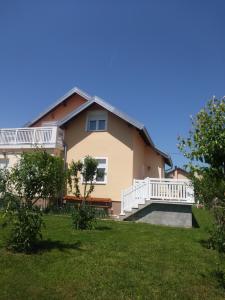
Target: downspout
(64, 165)
(64, 155)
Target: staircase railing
(161, 189)
(133, 196)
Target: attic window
(96, 121)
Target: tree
(205, 149)
(206, 141)
(87, 171)
(83, 216)
(3, 181)
(37, 175)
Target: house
(177, 173)
(77, 125)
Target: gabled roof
(121, 115)
(73, 91)
(178, 169)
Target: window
(92, 125)
(101, 124)
(101, 177)
(102, 170)
(97, 121)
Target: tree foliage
(25, 224)
(206, 141)
(205, 149)
(37, 175)
(3, 181)
(85, 171)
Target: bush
(83, 217)
(68, 209)
(217, 235)
(37, 175)
(217, 238)
(25, 223)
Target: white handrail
(163, 189)
(31, 136)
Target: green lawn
(118, 260)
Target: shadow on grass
(220, 277)
(102, 228)
(195, 223)
(49, 245)
(206, 243)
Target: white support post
(34, 134)
(122, 204)
(15, 141)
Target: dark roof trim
(179, 169)
(73, 91)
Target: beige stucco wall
(116, 144)
(139, 168)
(128, 155)
(177, 174)
(146, 161)
(180, 175)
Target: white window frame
(106, 172)
(97, 115)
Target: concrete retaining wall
(169, 214)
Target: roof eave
(166, 156)
(71, 92)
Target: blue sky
(158, 61)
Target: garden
(82, 254)
(116, 260)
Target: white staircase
(150, 190)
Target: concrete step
(135, 210)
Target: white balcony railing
(16, 138)
(157, 189)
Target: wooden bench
(93, 201)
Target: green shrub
(217, 235)
(68, 209)
(84, 217)
(25, 223)
(217, 238)
(37, 175)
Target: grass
(117, 260)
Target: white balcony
(26, 138)
(164, 190)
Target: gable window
(96, 121)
